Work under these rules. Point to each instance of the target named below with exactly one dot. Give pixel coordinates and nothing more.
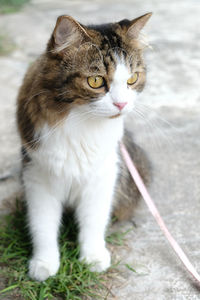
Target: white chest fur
(75, 150)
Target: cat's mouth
(115, 116)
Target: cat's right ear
(68, 32)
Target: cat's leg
(44, 214)
(93, 213)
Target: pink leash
(141, 187)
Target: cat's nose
(120, 105)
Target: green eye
(95, 82)
(133, 79)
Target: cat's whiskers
(170, 131)
(44, 136)
(81, 117)
(37, 140)
(154, 123)
(158, 121)
(149, 128)
(76, 116)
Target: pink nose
(120, 105)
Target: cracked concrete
(169, 131)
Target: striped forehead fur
(109, 35)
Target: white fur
(76, 165)
(119, 92)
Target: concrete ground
(169, 132)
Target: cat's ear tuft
(68, 32)
(137, 25)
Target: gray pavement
(169, 133)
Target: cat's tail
(11, 190)
(127, 195)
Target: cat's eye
(133, 79)
(95, 82)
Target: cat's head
(96, 68)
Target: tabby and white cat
(70, 115)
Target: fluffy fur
(70, 136)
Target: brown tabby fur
(57, 82)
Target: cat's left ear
(68, 32)
(137, 25)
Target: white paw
(40, 270)
(99, 259)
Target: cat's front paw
(99, 259)
(40, 270)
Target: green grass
(10, 6)
(74, 279)
(117, 238)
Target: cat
(70, 114)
